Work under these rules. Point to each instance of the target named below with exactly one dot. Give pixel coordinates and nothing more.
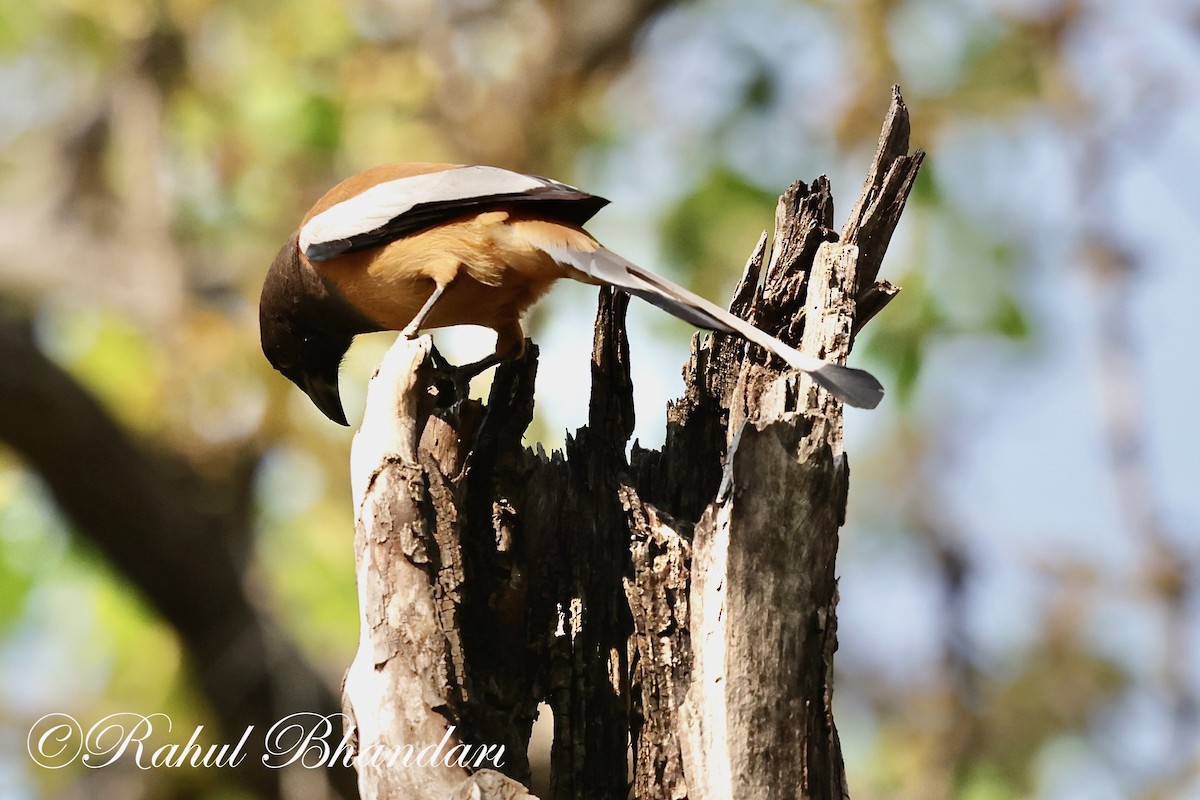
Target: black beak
(324, 394)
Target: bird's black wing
(393, 209)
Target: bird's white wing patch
(385, 202)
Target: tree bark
(682, 601)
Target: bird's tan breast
(491, 268)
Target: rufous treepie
(413, 246)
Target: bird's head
(306, 329)
(309, 359)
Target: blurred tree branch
(526, 111)
(178, 536)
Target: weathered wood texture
(409, 564)
(682, 601)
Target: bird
(415, 246)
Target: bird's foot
(459, 378)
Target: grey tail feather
(856, 387)
(853, 386)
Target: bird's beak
(324, 394)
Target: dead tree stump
(682, 601)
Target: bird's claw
(458, 378)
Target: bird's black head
(306, 329)
(309, 359)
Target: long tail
(575, 250)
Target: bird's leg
(469, 371)
(460, 377)
(411, 329)
(510, 344)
